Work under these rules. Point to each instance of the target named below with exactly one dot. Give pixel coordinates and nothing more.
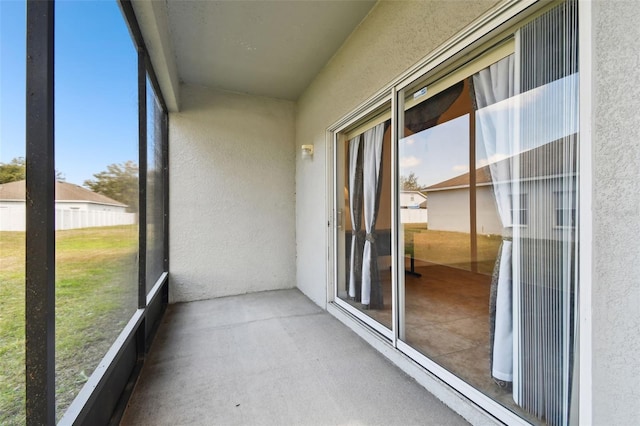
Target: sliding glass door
(473, 183)
(493, 148)
(363, 200)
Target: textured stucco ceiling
(266, 48)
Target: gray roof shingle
(15, 191)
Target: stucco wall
(449, 210)
(232, 194)
(616, 213)
(394, 36)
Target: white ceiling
(265, 48)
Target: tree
(119, 182)
(14, 171)
(409, 183)
(17, 170)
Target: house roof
(404, 191)
(483, 176)
(547, 160)
(64, 192)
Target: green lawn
(96, 294)
(453, 248)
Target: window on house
(565, 209)
(519, 210)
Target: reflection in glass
(364, 240)
(155, 190)
(97, 192)
(12, 212)
(491, 289)
(450, 251)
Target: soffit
(265, 48)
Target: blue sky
(438, 153)
(442, 152)
(96, 103)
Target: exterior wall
(232, 197)
(615, 210)
(487, 217)
(449, 210)
(394, 36)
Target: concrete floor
(272, 358)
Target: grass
(96, 294)
(454, 248)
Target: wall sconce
(307, 151)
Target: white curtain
(493, 87)
(355, 185)
(532, 146)
(372, 156)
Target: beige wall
(449, 210)
(270, 227)
(393, 37)
(615, 270)
(232, 194)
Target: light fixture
(307, 151)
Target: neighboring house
(539, 187)
(414, 207)
(413, 200)
(449, 204)
(76, 207)
(246, 85)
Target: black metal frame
(40, 216)
(103, 399)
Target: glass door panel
(489, 288)
(450, 250)
(363, 207)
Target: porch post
(40, 216)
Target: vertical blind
(545, 249)
(527, 121)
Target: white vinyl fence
(72, 219)
(13, 219)
(413, 216)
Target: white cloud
(406, 162)
(409, 140)
(461, 168)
